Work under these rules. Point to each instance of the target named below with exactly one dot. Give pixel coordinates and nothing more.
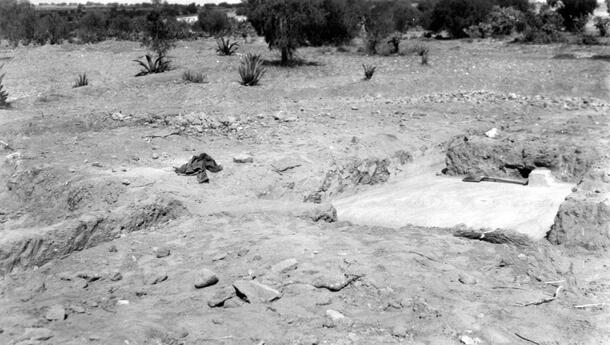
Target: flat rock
(37, 334)
(467, 279)
(205, 278)
(255, 292)
(338, 318)
(56, 312)
(285, 266)
(541, 177)
(221, 296)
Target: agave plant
(3, 93)
(369, 70)
(225, 47)
(82, 80)
(251, 69)
(194, 77)
(153, 64)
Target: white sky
(200, 2)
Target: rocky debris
(400, 330)
(243, 158)
(157, 278)
(118, 116)
(56, 312)
(516, 155)
(538, 101)
(285, 266)
(34, 333)
(282, 116)
(205, 278)
(162, 252)
(254, 292)
(335, 319)
(155, 156)
(221, 296)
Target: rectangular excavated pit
(442, 201)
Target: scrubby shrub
(251, 69)
(226, 47)
(194, 77)
(3, 93)
(92, 28)
(214, 22)
(602, 24)
(153, 64)
(505, 20)
(81, 80)
(369, 70)
(574, 12)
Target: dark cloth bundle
(198, 165)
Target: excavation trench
(556, 203)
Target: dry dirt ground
(102, 243)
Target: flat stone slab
(441, 201)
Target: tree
(157, 36)
(457, 15)
(574, 12)
(285, 24)
(379, 23)
(92, 27)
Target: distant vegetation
(287, 25)
(3, 93)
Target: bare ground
(89, 197)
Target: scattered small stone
(122, 302)
(162, 252)
(492, 133)
(116, 276)
(94, 338)
(37, 334)
(354, 108)
(338, 319)
(243, 252)
(56, 313)
(254, 292)
(400, 331)
(113, 249)
(88, 276)
(243, 158)
(285, 266)
(161, 277)
(234, 302)
(219, 257)
(155, 156)
(76, 308)
(205, 278)
(467, 340)
(141, 293)
(96, 164)
(467, 279)
(79, 284)
(125, 182)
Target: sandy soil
(111, 243)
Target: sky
(201, 2)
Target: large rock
(517, 155)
